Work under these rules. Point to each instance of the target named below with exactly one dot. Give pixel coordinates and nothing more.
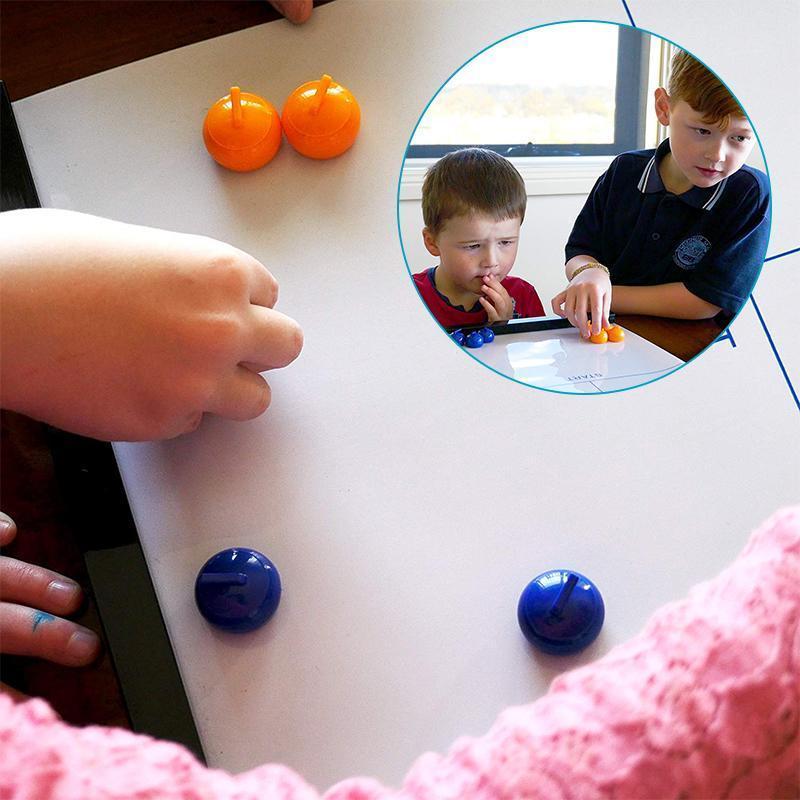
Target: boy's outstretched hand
(589, 291)
(496, 301)
(118, 331)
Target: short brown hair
(695, 84)
(468, 181)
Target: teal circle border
(436, 94)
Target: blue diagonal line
(781, 255)
(752, 297)
(628, 12)
(775, 351)
(727, 335)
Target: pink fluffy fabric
(704, 703)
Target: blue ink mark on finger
(41, 616)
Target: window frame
(630, 98)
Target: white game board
(562, 361)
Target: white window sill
(542, 175)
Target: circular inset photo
(584, 207)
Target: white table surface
(407, 493)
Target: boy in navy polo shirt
(473, 204)
(680, 231)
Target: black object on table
(522, 325)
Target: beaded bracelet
(590, 265)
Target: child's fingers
(491, 311)
(37, 587)
(275, 340)
(597, 313)
(263, 286)
(243, 395)
(503, 292)
(297, 11)
(607, 310)
(500, 298)
(492, 282)
(569, 307)
(557, 304)
(29, 632)
(581, 313)
(492, 294)
(8, 529)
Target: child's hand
(588, 291)
(297, 11)
(33, 601)
(496, 301)
(123, 332)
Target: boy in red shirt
(473, 204)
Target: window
(574, 89)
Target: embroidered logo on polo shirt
(690, 252)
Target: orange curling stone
(321, 118)
(599, 338)
(242, 131)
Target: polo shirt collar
(650, 182)
(432, 279)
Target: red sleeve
(526, 300)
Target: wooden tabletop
(46, 43)
(684, 338)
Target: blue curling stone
(458, 337)
(488, 335)
(474, 340)
(561, 612)
(238, 589)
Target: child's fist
(119, 331)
